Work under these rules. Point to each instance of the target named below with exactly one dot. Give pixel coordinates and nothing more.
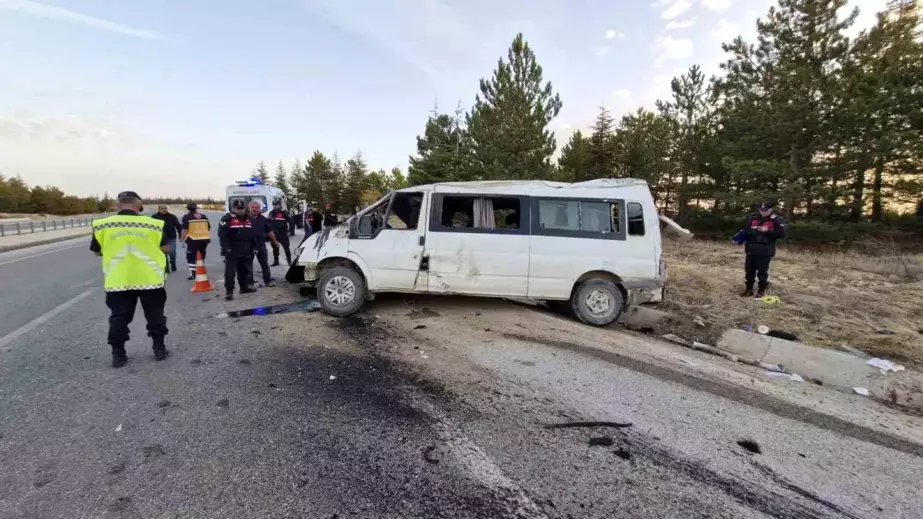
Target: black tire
(336, 276)
(598, 288)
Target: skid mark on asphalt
(469, 455)
(736, 393)
(8, 339)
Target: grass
(870, 298)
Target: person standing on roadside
(330, 217)
(315, 220)
(235, 233)
(134, 264)
(171, 228)
(262, 231)
(760, 233)
(280, 223)
(196, 236)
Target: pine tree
(281, 181)
(442, 153)
(780, 90)
(640, 140)
(574, 162)
(602, 159)
(398, 180)
(316, 173)
(356, 182)
(692, 111)
(880, 118)
(261, 173)
(508, 125)
(296, 181)
(335, 183)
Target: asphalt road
(401, 411)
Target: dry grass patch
(872, 300)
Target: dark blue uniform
(281, 226)
(238, 243)
(761, 234)
(261, 230)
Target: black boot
(275, 262)
(248, 290)
(762, 290)
(191, 275)
(748, 291)
(119, 357)
(229, 296)
(173, 267)
(160, 349)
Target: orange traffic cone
(202, 284)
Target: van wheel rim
(598, 302)
(340, 291)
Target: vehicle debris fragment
(602, 441)
(567, 425)
(750, 446)
(310, 305)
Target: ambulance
(253, 189)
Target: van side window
(573, 215)
(474, 212)
(405, 211)
(635, 219)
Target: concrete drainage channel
(848, 372)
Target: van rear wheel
(341, 291)
(597, 302)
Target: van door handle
(422, 240)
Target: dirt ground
(869, 299)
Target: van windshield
(247, 199)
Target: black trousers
(262, 257)
(283, 241)
(192, 247)
(757, 267)
(239, 267)
(122, 305)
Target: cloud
(717, 5)
(612, 34)
(40, 10)
(671, 49)
(725, 31)
(602, 50)
(677, 25)
(673, 9)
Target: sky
(183, 97)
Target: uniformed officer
(235, 233)
(262, 231)
(760, 233)
(195, 236)
(132, 248)
(281, 225)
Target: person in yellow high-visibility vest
(134, 268)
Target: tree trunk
(876, 190)
(858, 189)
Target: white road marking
(37, 255)
(38, 321)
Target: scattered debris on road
(310, 305)
(861, 390)
(119, 428)
(623, 453)
(750, 446)
(567, 425)
(428, 455)
(602, 441)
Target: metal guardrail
(34, 226)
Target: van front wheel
(341, 291)
(597, 302)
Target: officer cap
(765, 206)
(191, 207)
(276, 201)
(238, 204)
(128, 195)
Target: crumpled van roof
(601, 187)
